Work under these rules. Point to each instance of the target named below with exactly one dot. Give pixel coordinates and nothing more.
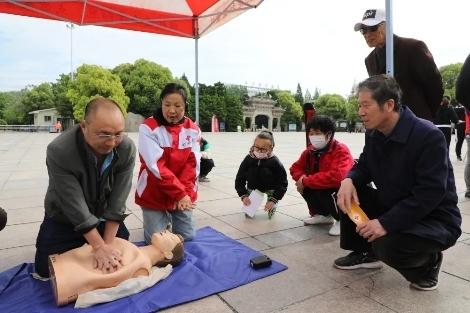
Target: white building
(46, 117)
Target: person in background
(263, 171)
(460, 129)
(206, 162)
(319, 171)
(414, 67)
(169, 144)
(462, 94)
(58, 127)
(444, 117)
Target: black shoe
(430, 281)
(467, 194)
(356, 260)
(3, 218)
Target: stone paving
(311, 284)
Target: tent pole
(196, 86)
(389, 37)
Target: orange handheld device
(356, 214)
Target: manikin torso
(72, 272)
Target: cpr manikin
(73, 272)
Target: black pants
(410, 255)
(54, 237)
(206, 166)
(447, 133)
(321, 201)
(460, 137)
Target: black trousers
(410, 255)
(54, 237)
(460, 137)
(447, 133)
(206, 166)
(321, 201)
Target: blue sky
(280, 44)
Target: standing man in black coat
(414, 67)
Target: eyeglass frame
(105, 137)
(261, 150)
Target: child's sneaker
(335, 230)
(319, 219)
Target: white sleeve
(124, 289)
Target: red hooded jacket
(334, 165)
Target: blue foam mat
(213, 263)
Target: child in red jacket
(319, 171)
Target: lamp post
(71, 27)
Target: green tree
(332, 105)
(234, 99)
(316, 94)
(13, 109)
(352, 106)
(143, 82)
(37, 98)
(449, 75)
(211, 102)
(92, 81)
(4, 99)
(299, 97)
(61, 101)
(293, 110)
(307, 97)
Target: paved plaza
(311, 284)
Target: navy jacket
(414, 179)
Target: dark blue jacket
(414, 179)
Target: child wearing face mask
(263, 171)
(319, 171)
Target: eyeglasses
(262, 150)
(105, 137)
(369, 29)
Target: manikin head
(171, 246)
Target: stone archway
(247, 122)
(262, 121)
(262, 111)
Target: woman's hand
(184, 204)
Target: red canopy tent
(184, 18)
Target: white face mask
(318, 141)
(260, 155)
